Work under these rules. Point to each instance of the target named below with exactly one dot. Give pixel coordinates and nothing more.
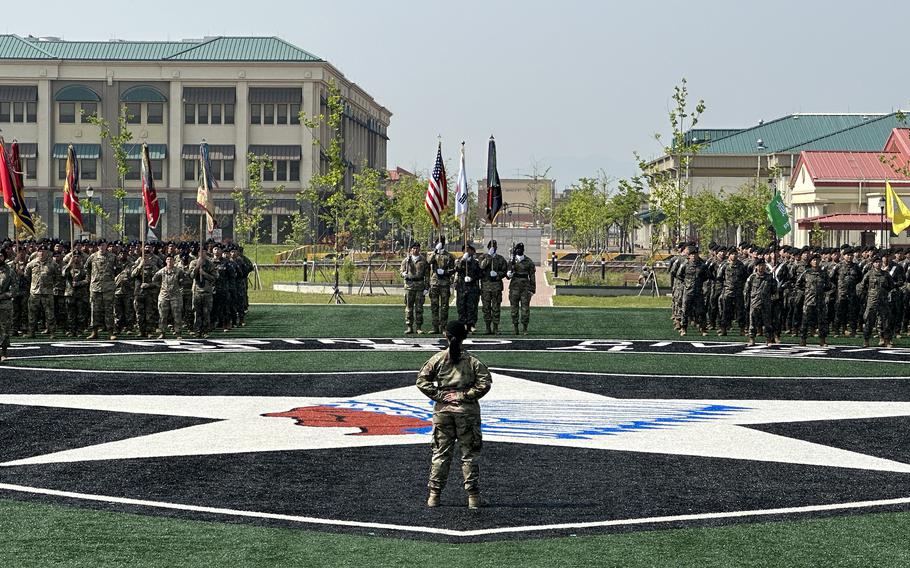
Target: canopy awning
(142, 94)
(278, 152)
(275, 95)
(216, 152)
(28, 150)
(203, 95)
(156, 152)
(18, 93)
(83, 151)
(222, 206)
(76, 93)
(846, 222)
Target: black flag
(494, 188)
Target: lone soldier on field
(170, 297)
(442, 268)
(522, 285)
(415, 271)
(101, 268)
(467, 286)
(42, 272)
(494, 268)
(455, 380)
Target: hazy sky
(572, 85)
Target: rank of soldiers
(477, 279)
(109, 288)
(801, 291)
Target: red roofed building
(840, 191)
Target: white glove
(493, 274)
(426, 292)
(467, 278)
(404, 274)
(440, 271)
(509, 274)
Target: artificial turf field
(48, 530)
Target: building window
(268, 114)
(189, 114)
(216, 169)
(229, 170)
(295, 114)
(67, 113)
(202, 114)
(31, 112)
(18, 112)
(88, 169)
(268, 174)
(87, 110)
(281, 170)
(134, 170)
(189, 170)
(229, 114)
(294, 170)
(157, 169)
(31, 168)
(216, 114)
(155, 113)
(133, 113)
(5, 112)
(255, 114)
(282, 114)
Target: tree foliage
(252, 202)
(119, 141)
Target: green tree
(584, 215)
(253, 201)
(368, 207)
(119, 142)
(625, 206)
(406, 209)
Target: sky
(572, 88)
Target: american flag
(149, 195)
(437, 190)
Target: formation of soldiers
(801, 291)
(477, 279)
(108, 288)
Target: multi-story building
(241, 95)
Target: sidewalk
(545, 292)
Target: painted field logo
(371, 423)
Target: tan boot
(751, 342)
(93, 335)
(409, 331)
(474, 501)
(433, 499)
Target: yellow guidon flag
(899, 216)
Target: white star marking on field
(515, 411)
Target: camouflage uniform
(467, 292)
(814, 285)
(202, 271)
(60, 314)
(416, 284)
(846, 278)
(758, 295)
(170, 297)
(145, 294)
(42, 276)
(244, 268)
(732, 280)
(102, 268)
(221, 299)
(8, 290)
(76, 295)
(20, 300)
(494, 269)
(455, 422)
(187, 292)
(124, 310)
(440, 287)
(693, 274)
(876, 286)
(896, 296)
(522, 285)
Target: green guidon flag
(777, 214)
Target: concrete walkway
(545, 292)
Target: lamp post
(881, 231)
(89, 193)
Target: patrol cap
(414, 245)
(519, 248)
(470, 247)
(693, 249)
(491, 244)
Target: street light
(881, 208)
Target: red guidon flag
(71, 188)
(437, 190)
(149, 195)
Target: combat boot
(113, 337)
(751, 342)
(515, 328)
(802, 342)
(409, 330)
(822, 342)
(489, 330)
(419, 331)
(882, 342)
(473, 500)
(435, 329)
(93, 335)
(865, 343)
(433, 499)
(495, 329)
(524, 331)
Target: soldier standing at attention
(442, 267)
(814, 284)
(42, 273)
(455, 380)
(494, 268)
(20, 300)
(8, 282)
(467, 287)
(732, 280)
(187, 290)
(693, 274)
(76, 295)
(522, 285)
(758, 295)
(101, 268)
(145, 292)
(876, 287)
(414, 270)
(202, 271)
(124, 311)
(170, 297)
